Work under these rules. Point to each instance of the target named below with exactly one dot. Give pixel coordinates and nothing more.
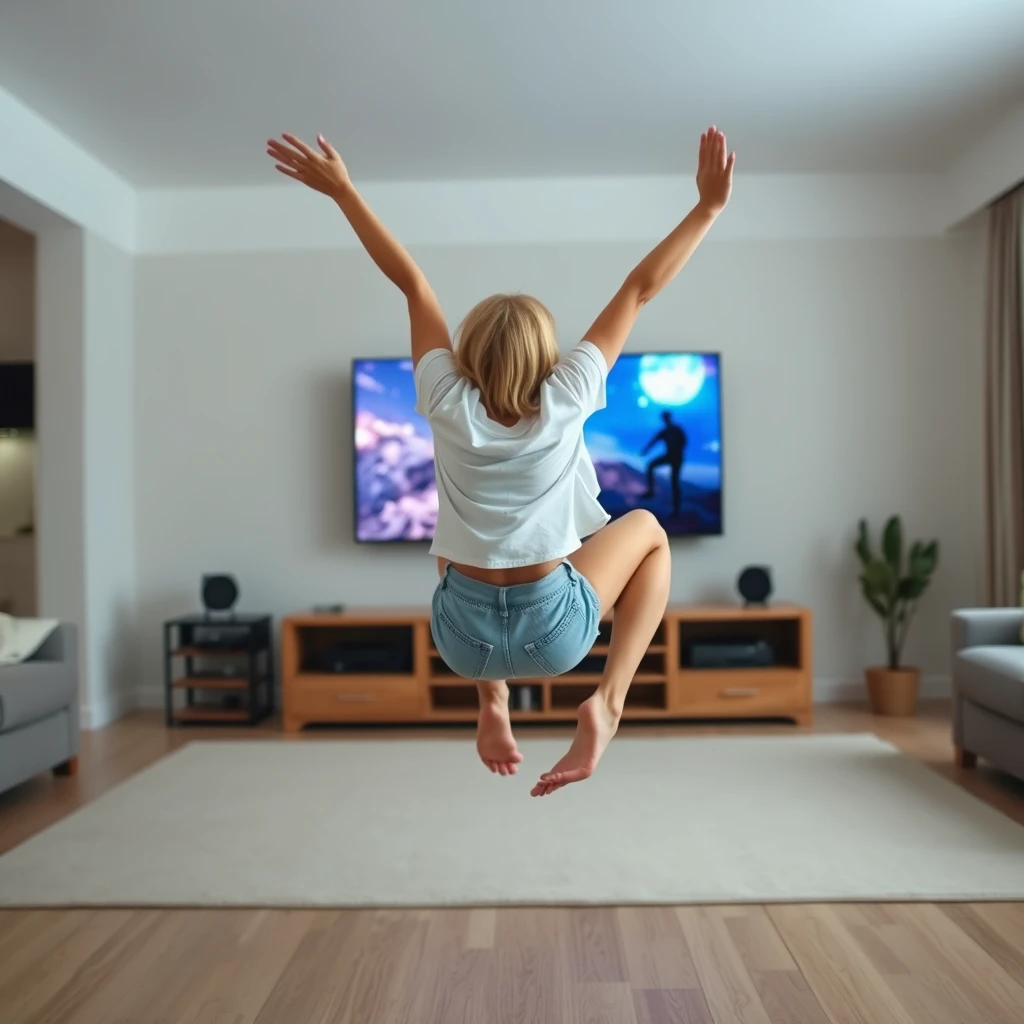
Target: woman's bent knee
(648, 522)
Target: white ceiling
(185, 92)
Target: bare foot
(594, 731)
(494, 740)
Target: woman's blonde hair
(506, 347)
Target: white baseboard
(111, 707)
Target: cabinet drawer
(751, 694)
(353, 698)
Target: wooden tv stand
(380, 666)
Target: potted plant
(892, 586)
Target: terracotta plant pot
(893, 691)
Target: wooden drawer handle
(354, 698)
(752, 691)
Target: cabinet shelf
(664, 687)
(232, 657)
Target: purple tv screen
(657, 445)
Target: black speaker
(755, 584)
(219, 592)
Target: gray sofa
(988, 688)
(39, 711)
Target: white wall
(60, 484)
(86, 537)
(852, 377)
(109, 477)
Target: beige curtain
(1004, 405)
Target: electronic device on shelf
(755, 584)
(656, 445)
(220, 638)
(219, 592)
(732, 653)
(372, 659)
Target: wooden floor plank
(535, 978)
(480, 930)
(655, 950)
(605, 1003)
(313, 984)
(959, 968)
(845, 982)
(756, 940)
(782, 989)
(242, 973)
(671, 1006)
(998, 928)
(56, 959)
(456, 980)
(387, 980)
(877, 935)
(728, 988)
(787, 998)
(107, 982)
(595, 945)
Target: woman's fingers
(327, 148)
(288, 171)
(306, 151)
(285, 155)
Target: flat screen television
(17, 396)
(657, 445)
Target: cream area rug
(356, 822)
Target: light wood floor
(804, 964)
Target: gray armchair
(988, 687)
(39, 711)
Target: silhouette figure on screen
(674, 439)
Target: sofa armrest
(60, 646)
(985, 627)
(31, 691)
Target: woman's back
(513, 495)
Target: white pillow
(21, 638)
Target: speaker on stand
(755, 585)
(219, 593)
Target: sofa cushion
(33, 691)
(993, 677)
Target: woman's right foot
(594, 731)
(494, 740)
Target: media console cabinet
(380, 666)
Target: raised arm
(325, 172)
(714, 184)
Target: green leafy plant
(893, 584)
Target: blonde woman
(529, 564)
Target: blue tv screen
(657, 445)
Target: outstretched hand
(324, 172)
(714, 171)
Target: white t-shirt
(517, 495)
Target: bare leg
(494, 740)
(629, 565)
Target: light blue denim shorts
(529, 630)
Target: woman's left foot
(494, 740)
(594, 731)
